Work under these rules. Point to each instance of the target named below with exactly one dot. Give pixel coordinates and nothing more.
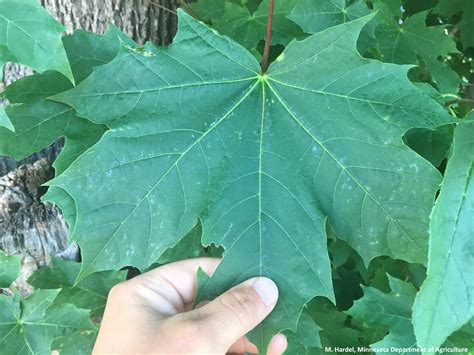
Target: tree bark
(28, 227)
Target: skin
(152, 314)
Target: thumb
(233, 314)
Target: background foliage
(389, 293)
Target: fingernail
(267, 290)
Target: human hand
(152, 313)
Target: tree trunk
(28, 227)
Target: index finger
(181, 275)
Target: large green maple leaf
(30, 36)
(29, 325)
(446, 299)
(196, 132)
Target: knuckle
(119, 291)
(241, 306)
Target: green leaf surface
(30, 36)
(336, 330)
(393, 311)
(208, 10)
(450, 8)
(446, 299)
(306, 337)
(188, 247)
(39, 122)
(403, 43)
(5, 121)
(78, 343)
(65, 202)
(432, 145)
(215, 140)
(28, 326)
(315, 16)
(85, 51)
(90, 293)
(249, 28)
(9, 269)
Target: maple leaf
(403, 41)
(393, 311)
(263, 160)
(389, 310)
(29, 325)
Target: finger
(243, 345)
(277, 346)
(233, 314)
(180, 276)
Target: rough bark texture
(27, 227)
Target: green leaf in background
(336, 327)
(446, 299)
(29, 325)
(208, 139)
(393, 311)
(86, 50)
(388, 310)
(30, 36)
(306, 338)
(9, 269)
(39, 122)
(450, 7)
(78, 343)
(317, 15)
(90, 293)
(249, 28)
(188, 247)
(207, 10)
(5, 121)
(432, 145)
(402, 43)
